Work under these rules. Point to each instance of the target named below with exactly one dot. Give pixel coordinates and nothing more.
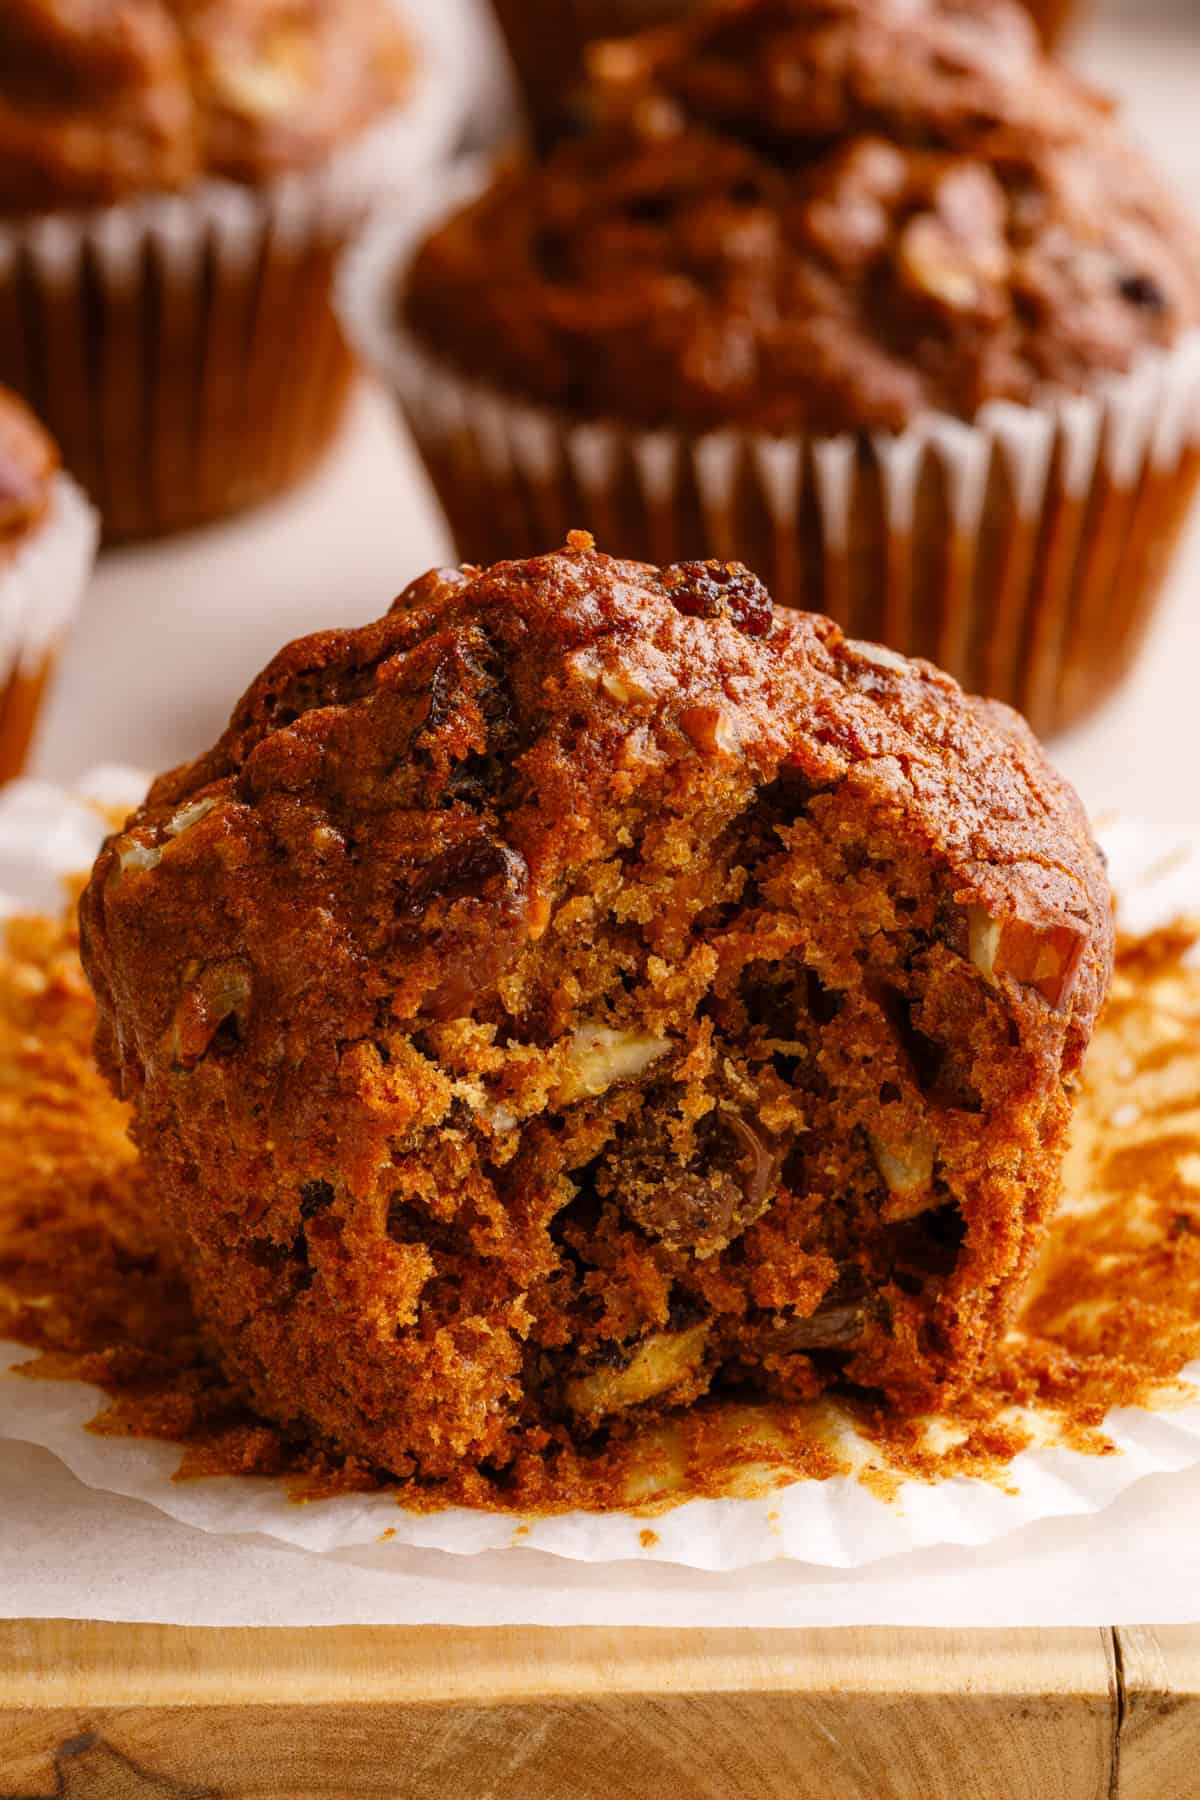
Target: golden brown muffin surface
(816, 215)
(585, 989)
(109, 99)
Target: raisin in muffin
(47, 546)
(871, 293)
(177, 178)
(589, 988)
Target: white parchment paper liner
(181, 347)
(1053, 528)
(46, 833)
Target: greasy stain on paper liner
(1112, 1316)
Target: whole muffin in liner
(167, 248)
(48, 536)
(939, 380)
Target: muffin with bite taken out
(1053, 18)
(590, 989)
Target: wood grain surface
(102, 1712)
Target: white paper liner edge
(838, 1523)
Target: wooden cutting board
(125, 1712)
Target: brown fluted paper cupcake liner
(40, 591)
(183, 349)
(874, 1510)
(1023, 551)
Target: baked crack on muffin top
(816, 215)
(586, 989)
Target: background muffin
(176, 180)
(587, 987)
(873, 293)
(47, 544)
(548, 39)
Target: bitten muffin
(47, 545)
(590, 988)
(870, 292)
(177, 178)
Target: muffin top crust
(449, 766)
(28, 464)
(816, 215)
(104, 101)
